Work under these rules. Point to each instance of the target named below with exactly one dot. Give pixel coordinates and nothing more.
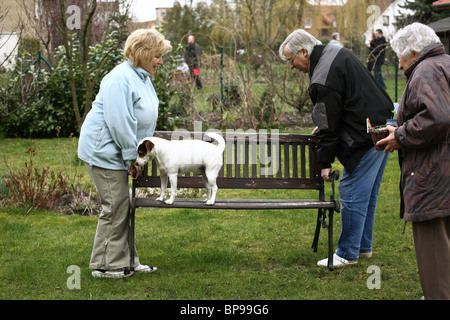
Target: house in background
(442, 27)
(354, 20)
(386, 20)
(27, 24)
(160, 16)
(13, 22)
(9, 43)
(320, 20)
(442, 4)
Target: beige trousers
(111, 250)
(432, 244)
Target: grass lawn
(213, 255)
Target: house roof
(441, 25)
(141, 25)
(442, 4)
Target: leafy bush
(165, 90)
(43, 98)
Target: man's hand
(325, 174)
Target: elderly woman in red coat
(422, 136)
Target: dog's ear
(142, 148)
(149, 145)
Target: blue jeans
(378, 75)
(358, 193)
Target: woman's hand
(137, 168)
(390, 141)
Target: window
(308, 23)
(385, 21)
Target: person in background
(344, 95)
(377, 56)
(125, 111)
(422, 138)
(193, 57)
(370, 60)
(336, 39)
(182, 75)
(183, 67)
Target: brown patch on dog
(145, 147)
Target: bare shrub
(39, 188)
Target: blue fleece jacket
(124, 111)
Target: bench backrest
(253, 161)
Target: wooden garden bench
(253, 161)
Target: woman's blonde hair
(145, 44)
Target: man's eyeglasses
(291, 60)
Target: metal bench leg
(330, 240)
(316, 235)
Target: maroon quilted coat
(424, 130)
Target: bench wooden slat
(238, 204)
(232, 137)
(235, 183)
(294, 160)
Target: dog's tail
(218, 138)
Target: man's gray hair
(297, 40)
(414, 37)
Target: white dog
(183, 156)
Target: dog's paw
(161, 198)
(169, 201)
(210, 202)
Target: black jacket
(192, 55)
(344, 94)
(378, 50)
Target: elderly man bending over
(344, 94)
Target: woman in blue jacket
(125, 111)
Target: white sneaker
(337, 262)
(120, 273)
(144, 268)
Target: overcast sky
(328, 2)
(145, 10)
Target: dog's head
(144, 150)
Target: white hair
(297, 40)
(414, 37)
